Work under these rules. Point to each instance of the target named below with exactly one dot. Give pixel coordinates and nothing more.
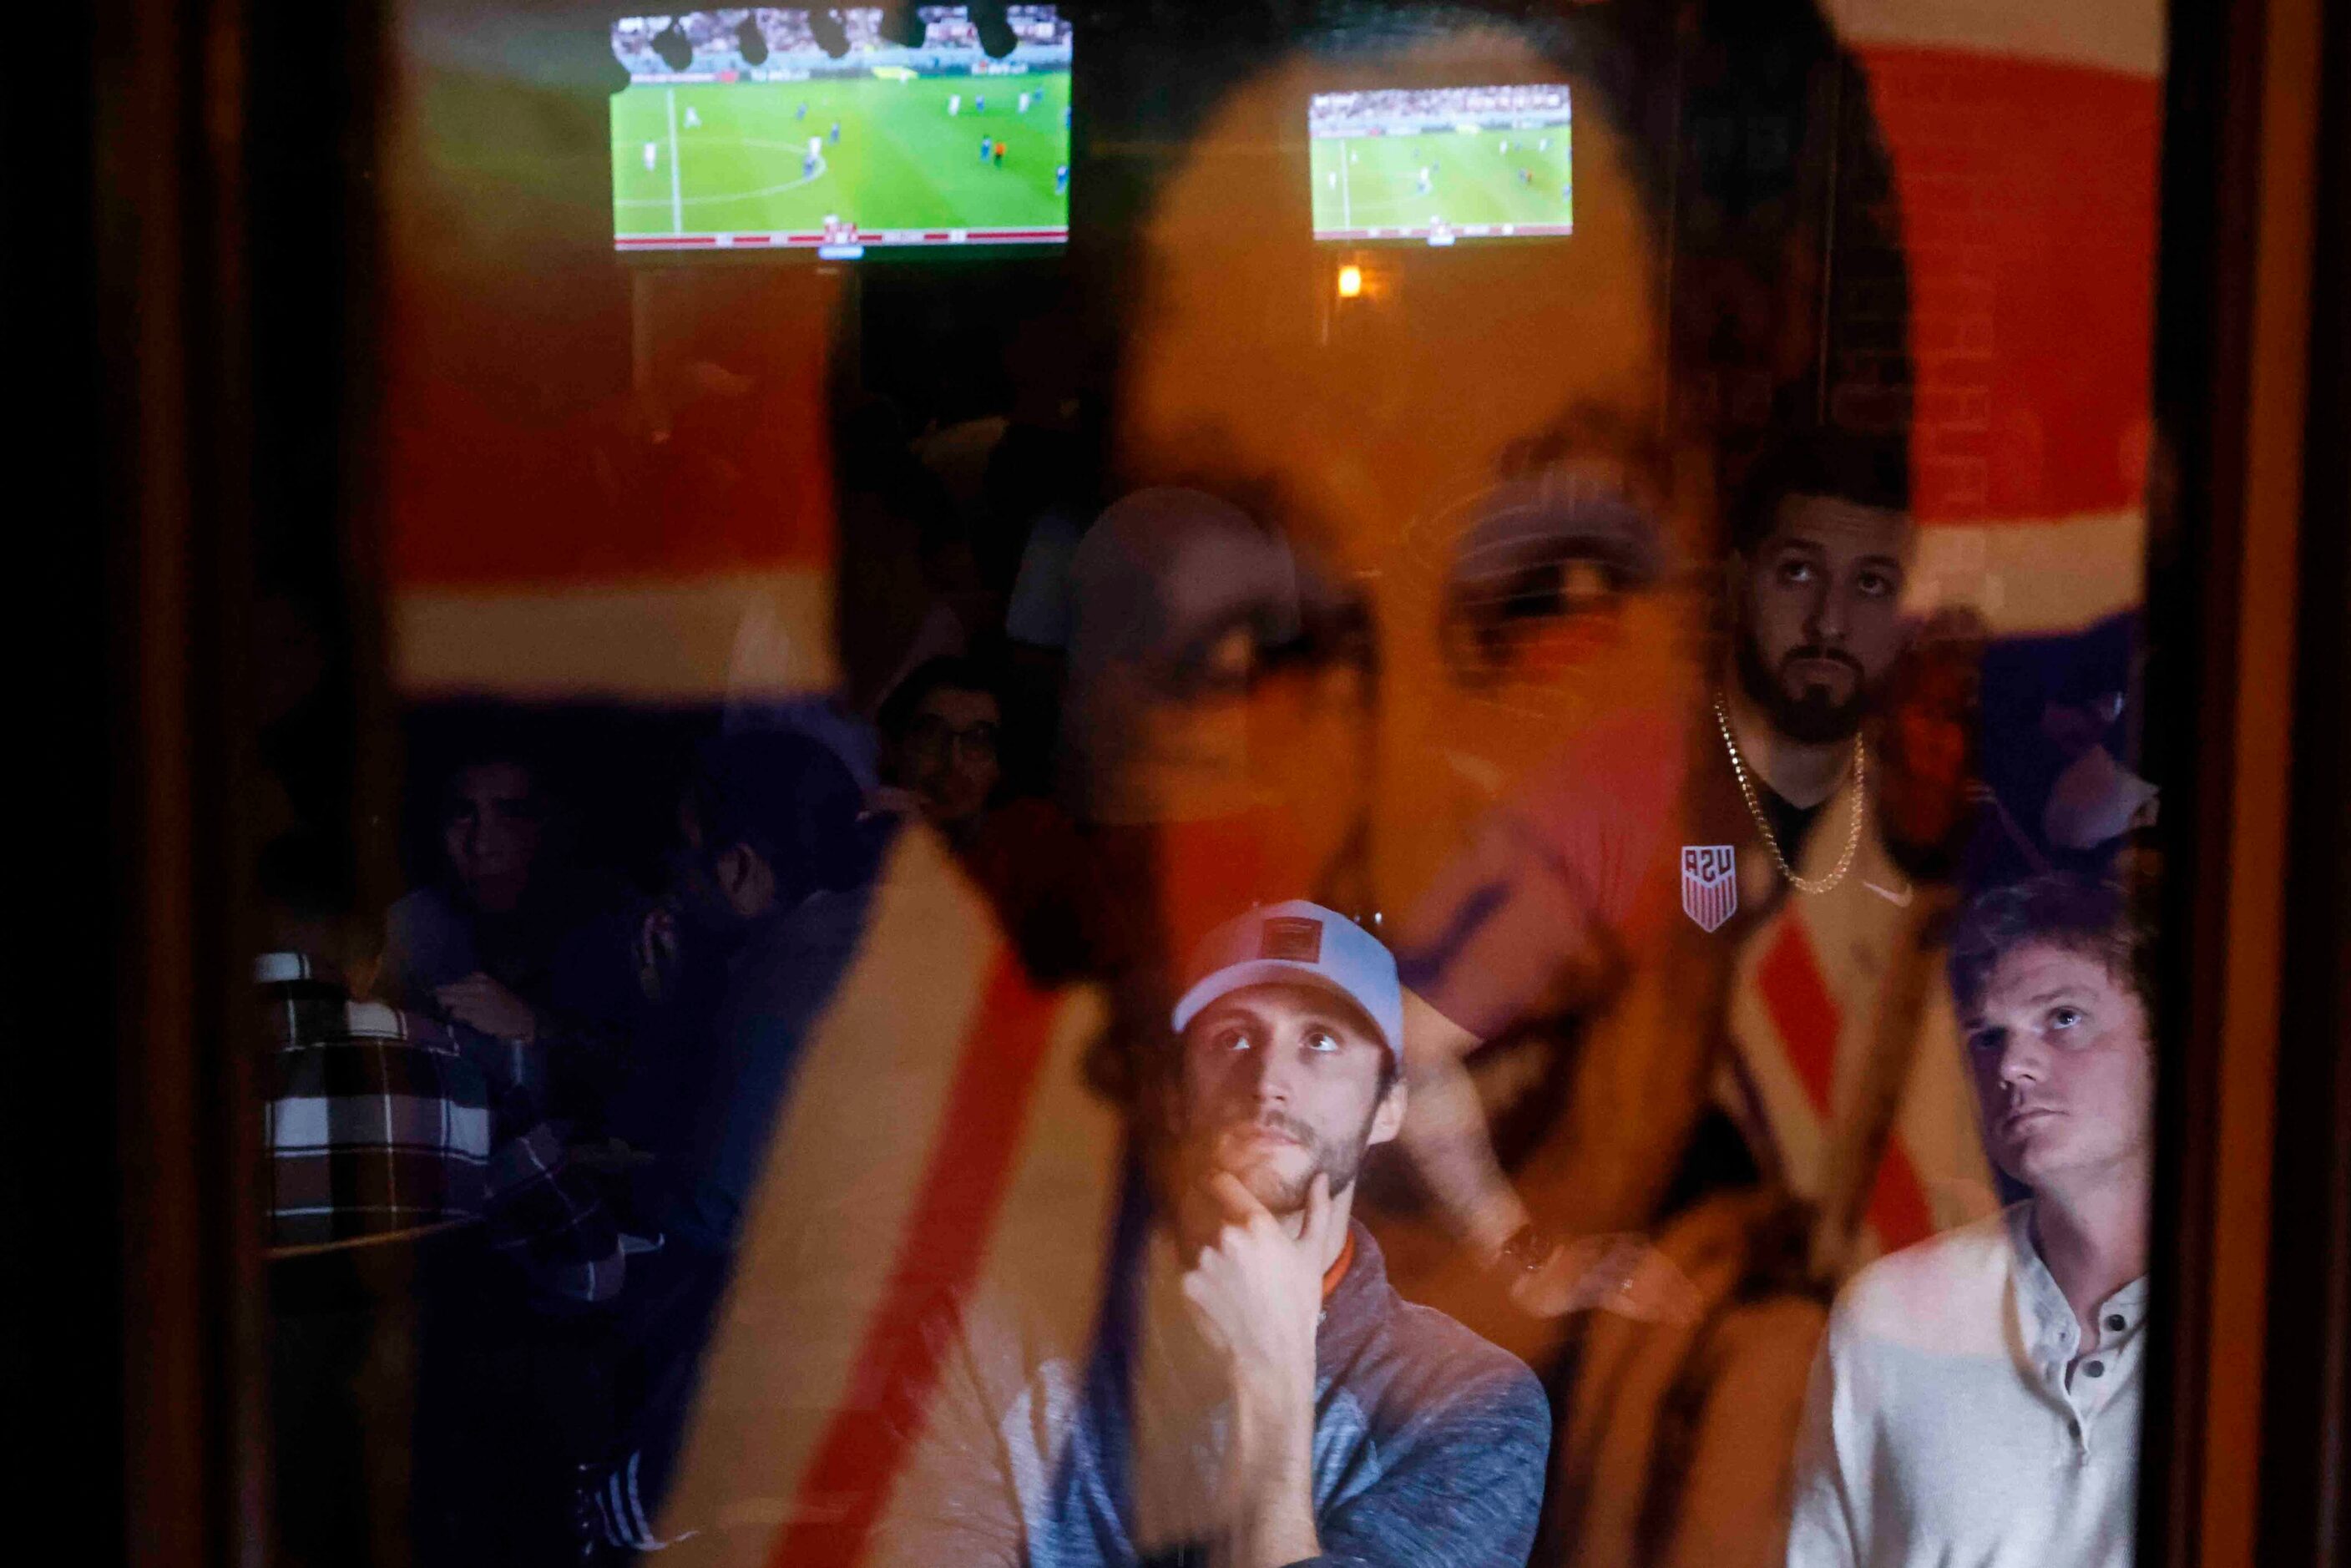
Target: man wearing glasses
(941, 728)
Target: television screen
(784, 129)
(1442, 164)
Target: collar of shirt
(2052, 1337)
(1337, 1271)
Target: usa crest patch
(1710, 883)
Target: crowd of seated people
(515, 1118)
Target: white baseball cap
(1297, 943)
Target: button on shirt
(1954, 1419)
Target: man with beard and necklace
(1629, 894)
(1626, 875)
(1814, 587)
(1255, 1393)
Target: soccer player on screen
(955, 104)
(1060, 179)
(693, 120)
(999, 154)
(836, 134)
(1022, 106)
(653, 155)
(987, 149)
(979, 104)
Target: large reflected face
(1466, 452)
(2064, 1072)
(1820, 615)
(1280, 1083)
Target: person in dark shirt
(773, 888)
(778, 867)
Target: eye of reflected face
(1987, 1041)
(1225, 663)
(2063, 1018)
(1875, 584)
(1508, 613)
(1568, 585)
(1228, 662)
(1219, 665)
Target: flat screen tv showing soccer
(783, 130)
(1442, 166)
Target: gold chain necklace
(1763, 823)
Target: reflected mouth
(2025, 1116)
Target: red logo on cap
(1291, 938)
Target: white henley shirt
(1943, 1429)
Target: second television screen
(800, 128)
(1442, 164)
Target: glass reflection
(1298, 886)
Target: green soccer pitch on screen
(811, 130)
(1439, 165)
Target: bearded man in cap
(1254, 1392)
